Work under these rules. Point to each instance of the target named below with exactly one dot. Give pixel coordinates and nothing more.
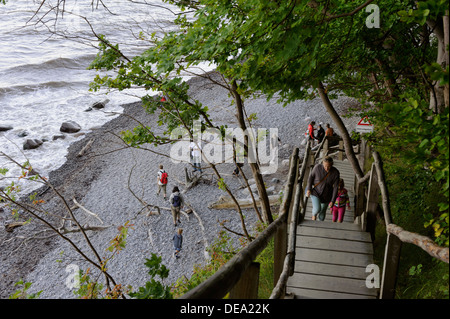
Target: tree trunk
(439, 96)
(446, 57)
(345, 136)
(265, 204)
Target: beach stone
(31, 144)
(4, 127)
(285, 163)
(70, 127)
(100, 104)
(275, 180)
(58, 137)
(22, 133)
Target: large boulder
(32, 144)
(100, 104)
(70, 127)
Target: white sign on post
(364, 125)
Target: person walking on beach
(162, 181)
(177, 201)
(177, 242)
(322, 187)
(196, 155)
(342, 200)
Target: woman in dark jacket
(322, 187)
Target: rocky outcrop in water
(32, 144)
(5, 127)
(70, 127)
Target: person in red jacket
(310, 133)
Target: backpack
(163, 179)
(176, 201)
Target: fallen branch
(67, 230)
(85, 148)
(10, 227)
(185, 213)
(225, 202)
(205, 241)
(86, 210)
(230, 230)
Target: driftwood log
(225, 202)
(10, 226)
(86, 147)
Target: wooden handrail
(289, 260)
(223, 280)
(383, 189)
(421, 241)
(396, 235)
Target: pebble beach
(101, 180)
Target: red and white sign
(364, 125)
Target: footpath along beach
(101, 180)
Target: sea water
(44, 80)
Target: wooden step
(320, 294)
(333, 257)
(354, 272)
(328, 224)
(334, 244)
(334, 233)
(331, 284)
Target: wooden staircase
(331, 258)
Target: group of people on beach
(176, 199)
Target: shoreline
(98, 180)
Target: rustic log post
(372, 203)
(359, 199)
(341, 150)
(324, 150)
(390, 267)
(247, 286)
(281, 237)
(307, 167)
(279, 251)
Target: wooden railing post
(341, 150)
(247, 286)
(279, 251)
(281, 236)
(390, 267)
(324, 150)
(372, 203)
(359, 199)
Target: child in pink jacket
(342, 200)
